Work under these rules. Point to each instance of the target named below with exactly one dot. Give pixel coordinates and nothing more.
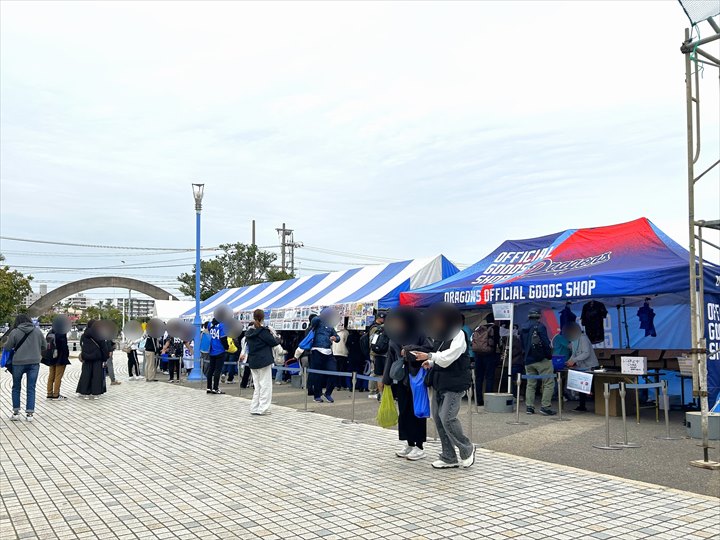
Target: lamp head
(198, 190)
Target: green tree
(14, 287)
(238, 266)
(103, 310)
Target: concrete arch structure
(53, 297)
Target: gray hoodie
(31, 350)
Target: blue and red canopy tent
(620, 265)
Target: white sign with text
(579, 381)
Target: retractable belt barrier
(666, 405)
(622, 388)
(518, 383)
(606, 394)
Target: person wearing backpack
(56, 357)
(484, 343)
(379, 343)
(28, 344)
(538, 361)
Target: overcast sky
(396, 130)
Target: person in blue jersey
(216, 356)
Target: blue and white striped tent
(380, 285)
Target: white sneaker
(440, 464)
(86, 397)
(416, 454)
(15, 417)
(465, 463)
(29, 418)
(405, 451)
(372, 395)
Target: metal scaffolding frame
(695, 58)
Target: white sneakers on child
(404, 452)
(411, 452)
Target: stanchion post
(352, 413)
(470, 430)
(559, 417)
(666, 403)
(607, 446)
(472, 377)
(239, 377)
(517, 421)
(305, 376)
(625, 443)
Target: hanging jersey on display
(593, 319)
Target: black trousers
(174, 367)
(133, 363)
(410, 428)
(214, 371)
(485, 365)
(245, 378)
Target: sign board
(503, 312)
(579, 381)
(633, 365)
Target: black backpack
(365, 344)
(538, 350)
(380, 342)
(51, 352)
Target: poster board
(360, 316)
(579, 381)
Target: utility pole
(287, 249)
(253, 232)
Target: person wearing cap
(538, 361)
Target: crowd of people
(406, 351)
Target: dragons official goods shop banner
(624, 260)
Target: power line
(348, 254)
(100, 246)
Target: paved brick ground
(160, 461)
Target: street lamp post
(198, 190)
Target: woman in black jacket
(93, 353)
(403, 327)
(260, 342)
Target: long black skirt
(410, 427)
(92, 379)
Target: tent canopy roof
(379, 284)
(628, 259)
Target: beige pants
(54, 379)
(150, 367)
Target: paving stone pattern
(153, 460)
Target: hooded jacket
(260, 342)
(323, 333)
(31, 350)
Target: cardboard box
(633, 365)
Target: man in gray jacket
(29, 344)
(582, 357)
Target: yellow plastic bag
(387, 415)
(232, 348)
